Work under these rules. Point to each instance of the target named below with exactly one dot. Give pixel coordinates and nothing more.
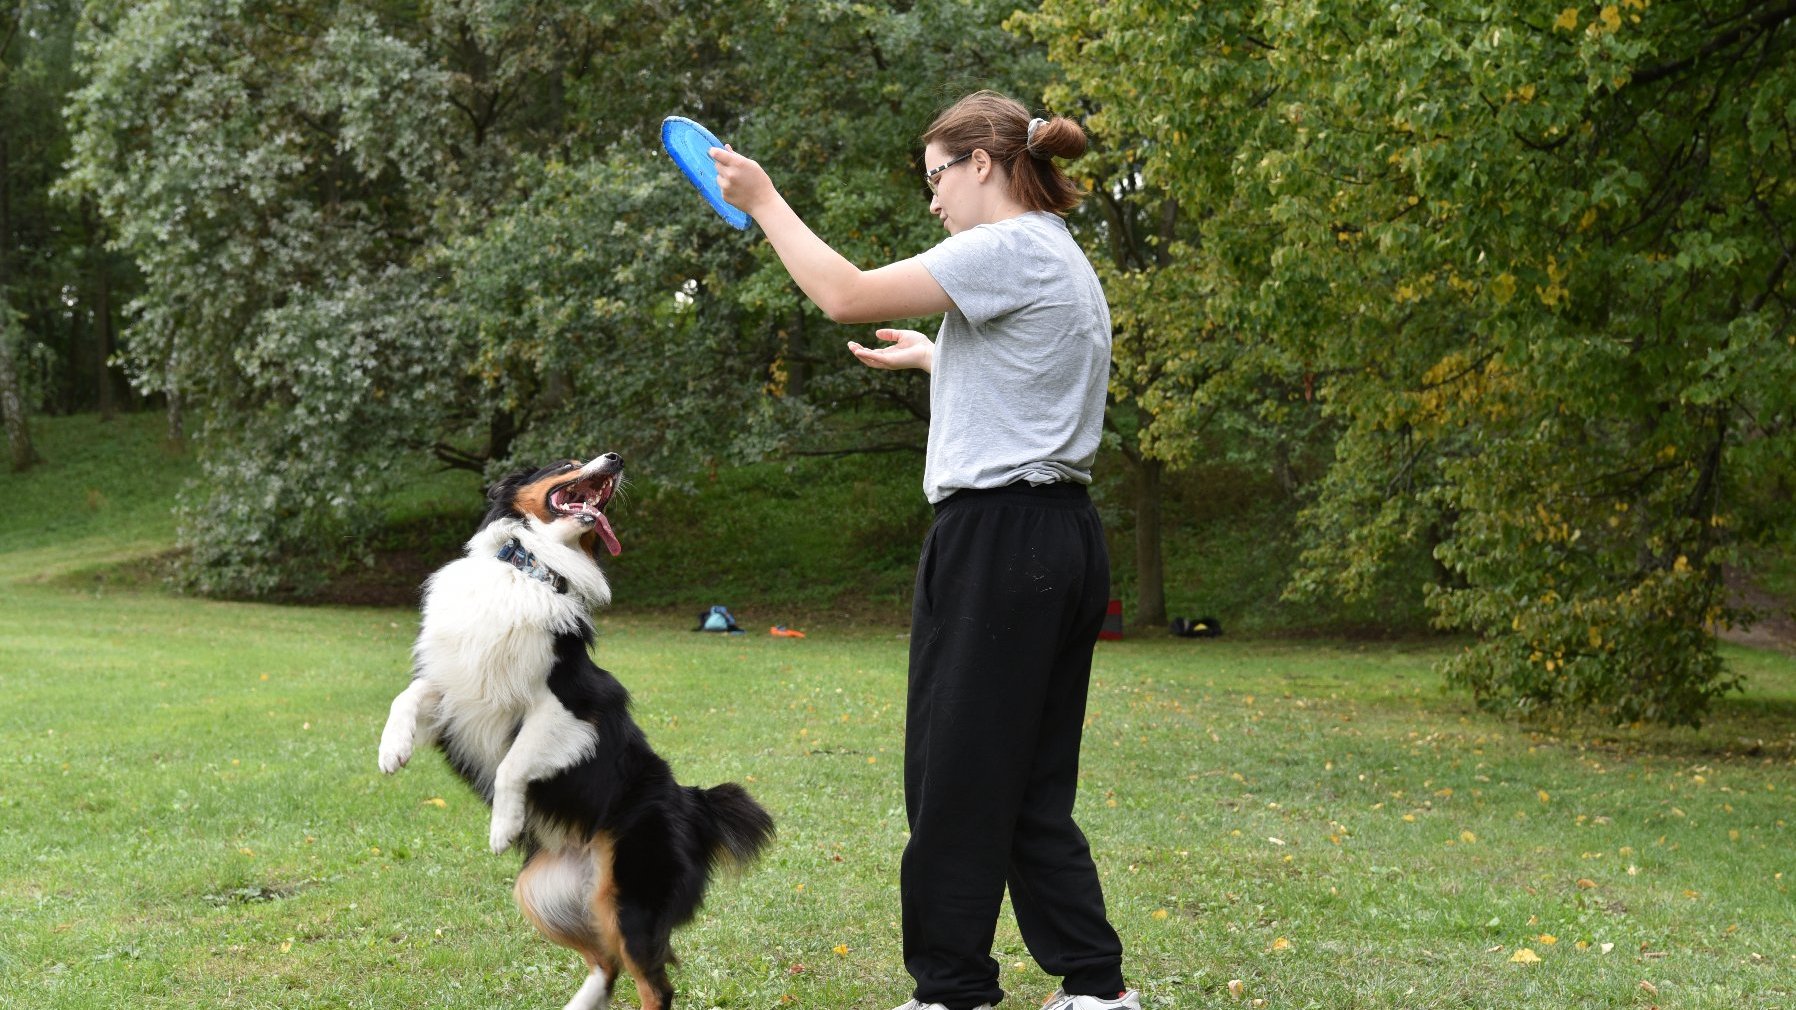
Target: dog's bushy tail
(740, 827)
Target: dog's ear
(501, 498)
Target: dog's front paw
(394, 754)
(508, 823)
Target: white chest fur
(486, 645)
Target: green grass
(190, 817)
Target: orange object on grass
(781, 631)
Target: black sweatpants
(1010, 595)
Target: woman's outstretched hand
(743, 181)
(909, 349)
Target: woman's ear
(982, 162)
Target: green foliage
(1534, 261)
(380, 233)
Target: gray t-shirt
(1022, 362)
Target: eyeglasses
(929, 176)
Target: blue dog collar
(514, 554)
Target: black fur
(611, 833)
(667, 838)
(500, 496)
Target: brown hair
(1000, 126)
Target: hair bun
(1056, 137)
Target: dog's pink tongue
(602, 526)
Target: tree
(52, 255)
(374, 235)
(21, 453)
(1536, 259)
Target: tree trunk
(177, 426)
(12, 401)
(104, 336)
(12, 398)
(1150, 570)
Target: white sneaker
(916, 1005)
(1130, 1000)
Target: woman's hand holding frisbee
(743, 181)
(909, 349)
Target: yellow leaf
(437, 801)
(1586, 884)
(1567, 19)
(1160, 913)
(1545, 797)
(1281, 943)
(841, 949)
(1524, 956)
(1548, 939)
(1611, 16)
(1237, 988)
(1467, 837)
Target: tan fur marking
(590, 944)
(533, 499)
(648, 986)
(604, 907)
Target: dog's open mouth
(585, 499)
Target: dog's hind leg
(563, 893)
(646, 956)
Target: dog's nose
(612, 457)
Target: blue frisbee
(689, 145)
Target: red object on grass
(1113, 623)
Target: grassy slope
(812, 539)
(190, 817)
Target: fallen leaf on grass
(1237, 988)
(1281, 943)
(1524, 956)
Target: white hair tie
(1035, 124)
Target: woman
(1014, 576)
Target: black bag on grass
(1195, 627)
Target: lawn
(190, 816)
